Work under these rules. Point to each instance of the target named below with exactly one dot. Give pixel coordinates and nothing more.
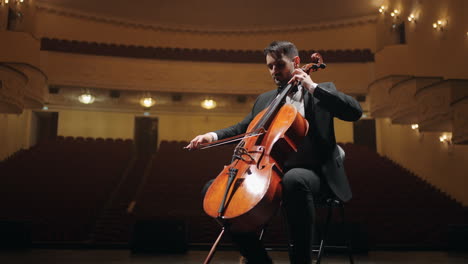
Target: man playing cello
(315, 169)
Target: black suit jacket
(320, 108)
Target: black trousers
(300, 187)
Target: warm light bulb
(443, 138)
(411, 18)
(439, 22)
(147, 102)
(447, 137)
(382, 9)
(208, 103)
(414, 126)
(434, 25)
(392, 14)
(86, 98)
(6, 1)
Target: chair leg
(324, 235)
(347, 235)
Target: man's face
(280, 68)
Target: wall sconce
(439, 25)
(208, 104)
(382, 9)
(86, 98)
(414, 126)
(395, 13)
(412, 18)
(446, 138)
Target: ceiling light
(86, 98)
(147, 101)
(208, 104)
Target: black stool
(330, 204)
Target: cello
(247, 192)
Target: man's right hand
(195, 143)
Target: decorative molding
(381, 104)
(204, 55)
(35, 91)
(435, 113)
(405, 108)
(25, 65)
(116, 21)
(12, 91)
(460, 122)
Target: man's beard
(280, 83)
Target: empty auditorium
(210, 131)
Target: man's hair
(279, 48)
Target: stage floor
(75, 256)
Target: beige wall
(14, 133)
(440, 164)
(172, 126)
(186, 127)
(16, 130)
(343, 131)
(95, 124)
(204, 77)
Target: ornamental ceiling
(218, 14)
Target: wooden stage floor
(116, 256)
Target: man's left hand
(299, 76)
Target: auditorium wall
(185, 127)
(441, 164)
(425, 47)
(171, 126)
(15, 131)
(95, 124)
